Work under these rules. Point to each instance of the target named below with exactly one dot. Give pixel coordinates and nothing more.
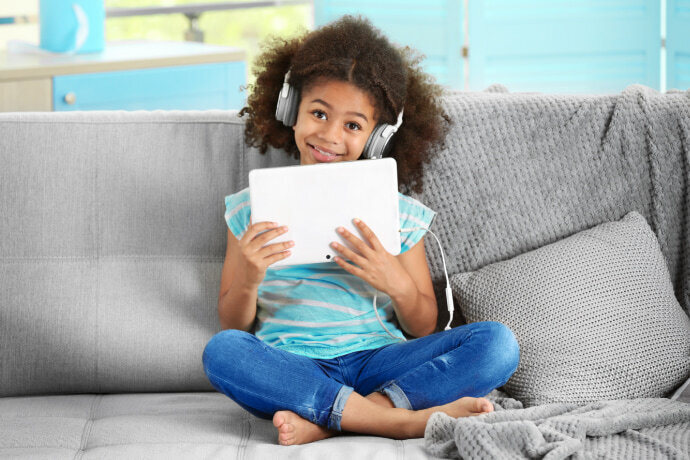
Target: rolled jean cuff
(338, 407)
(397, 396)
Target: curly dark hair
(352, 50)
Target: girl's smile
(334, 121)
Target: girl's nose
(332, 133)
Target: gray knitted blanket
(524, 170)
(631, 429)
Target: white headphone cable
(449, 292)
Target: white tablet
(314, 200)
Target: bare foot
(463, 407)
(293, 429)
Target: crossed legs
(374, 414)
(470, 361)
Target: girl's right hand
(256, 256)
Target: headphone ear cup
(287, 106)
(366, 153)
(378, 143)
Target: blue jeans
(469, 360)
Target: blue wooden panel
(433, 27)
(193, 87)
(678, 44)
(588, 46)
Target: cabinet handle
(70, 98)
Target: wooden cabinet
(126, 76)
(26, 95)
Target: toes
(278, 419)
(286, 440)
(483, 405)
(486, 405)
(477, 406)
(286, 428)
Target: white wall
(23, 32)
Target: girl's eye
(353, 126)
(319, 114)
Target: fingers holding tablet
(256, 248)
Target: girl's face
(334, 121)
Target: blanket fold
(632, 429)
(664, 122)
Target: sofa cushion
(595, 316)
(163, 426)
(112, 248)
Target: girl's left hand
(374, 264)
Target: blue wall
(433, 27)
(587, 46)
(678, 44)
(565, 46)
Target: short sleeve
(413, 214)
(238, 212)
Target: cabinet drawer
(194, 87)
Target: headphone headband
(392, 129)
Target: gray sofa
(113, 239)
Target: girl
(320, 361)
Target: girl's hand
(374, 264)
(255, 256)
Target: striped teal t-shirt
(320, 310)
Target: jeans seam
(344, 371)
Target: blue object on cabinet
(678, 44)
(432, 27)
(72, 26)
(191, 87)
(586, 46)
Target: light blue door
(584, 46)
(433, 27)
(678, 44)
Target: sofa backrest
(523, 170)
(112, 245)
(113, 235)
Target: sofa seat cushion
(162, 426)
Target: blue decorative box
(72, 26)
